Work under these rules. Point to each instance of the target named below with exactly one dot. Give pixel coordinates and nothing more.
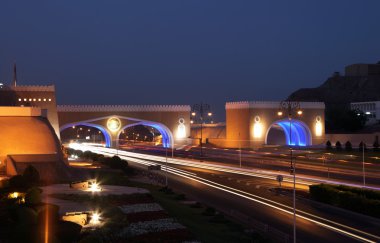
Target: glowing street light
(202, 109)
(94, 187)
(95, 218)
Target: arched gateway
(253, 122)
(110, 120)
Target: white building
(370, 108)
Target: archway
(103, 130)
(295, 132)
(167, 136)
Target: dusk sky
(183, 52)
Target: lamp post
(200, 111)
(363, 147)
(166, 164)
(289, 108)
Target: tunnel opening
(145, 134)
(285, 132)
(85, 133)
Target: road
(248, 194)
(343, 170)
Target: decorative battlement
(271, 105)
(42, 88)
(123, 108)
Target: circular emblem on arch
(181, 121)
(257, 119)
(318, 119)
(113, 124)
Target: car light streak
(340, 231)
(267, 202)
(259, 173)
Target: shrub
(376, 145)
(328, 145)
(68, 231)
(31, 175)
(218, 218)
(33, 196)
(351, 198)
(209, 211)
(26, 215)
(361, 145)
(181, 197)
(18, 181)
(338, 146)
(196, 205)
(348, 146)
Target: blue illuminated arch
(106, 135)
(167, 136)
(297, 133)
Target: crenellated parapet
(271, 105)
(123, 108)
(35, 88)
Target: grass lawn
(199, 224)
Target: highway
(231, 187)
(347, 170)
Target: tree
(18, 182)
(348, 146)
(361, 144)
(338, 146)
(376, 144)
(31, 175)
(328, 145)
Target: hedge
(355, 199)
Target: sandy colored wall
(237, 126)
(240, 119)
(27, 135)
(209, 131)
(169, 119)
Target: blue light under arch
(167, 136)
(300, 133)
(106, 135)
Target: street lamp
(201, 110)
(288, 108)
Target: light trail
(261, 200)
(248, 172)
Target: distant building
(370, 108)
(360, 70)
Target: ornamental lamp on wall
(257, 127)
(318, 126)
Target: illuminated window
(19, 99)
(34, 99)
(24, 99)
(30, 99)
(44, 99)
(49, 99)
(39, 99)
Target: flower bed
(146, 216)
(177, 235)
(145, 227)
(141, 207)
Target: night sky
(183, 52)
